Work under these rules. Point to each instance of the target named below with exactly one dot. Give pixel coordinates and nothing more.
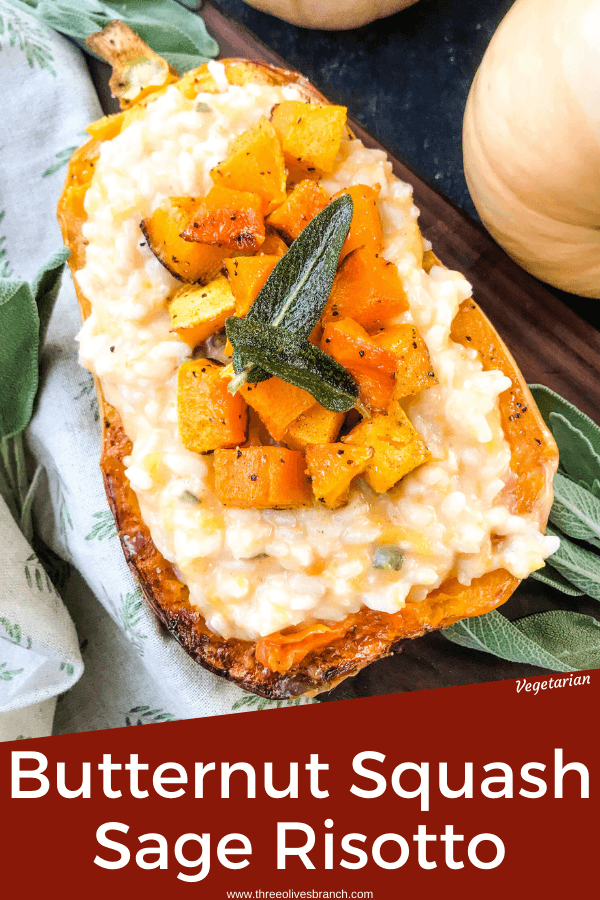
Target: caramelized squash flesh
(310, 135)
(332, 468)
(189, 262)
(371, 366)
(368, 289)
(262, 478)
(278, 403)
(208, 416)
(414, 371)
(255, 162)
(229, 219)
(304, 202)
(197, 311)
(397, 447)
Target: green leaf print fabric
(79, 648)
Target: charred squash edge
(370, 635)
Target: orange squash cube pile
(274, 446)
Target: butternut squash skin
(361, 638)
(331, 14)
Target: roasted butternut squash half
(280, 528)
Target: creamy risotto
(253, 572)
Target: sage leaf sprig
(295, 360)
(296, 291)
(561, 640)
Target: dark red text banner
(488, 790)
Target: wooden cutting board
(551, 344)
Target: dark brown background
(550, 342)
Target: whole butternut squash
(531, 141)
(331, 14)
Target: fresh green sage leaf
(296, 291)
(293, 359)
(24, 310)
(579, 566)
(575, 510)
(577, 436)
(577, 456)
(19, 327)
(550, 402)
(554, 579)
(388, 556)
(572, 638)
(596, 488)
(558, 640)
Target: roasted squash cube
(365, 228)
(306, 200)
(273, 245)
(371, 366)
(254, 162)
(310, 135)
(208, 416)
(277, 403)
(398, 448)
(262, 478)
(332, 467)
(230, 219)
(315, 426)
(192, 263)
(198, 311)
(413, 371)
(368, 289)
(247, 275)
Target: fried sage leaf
(293, 359)
(296, 291)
